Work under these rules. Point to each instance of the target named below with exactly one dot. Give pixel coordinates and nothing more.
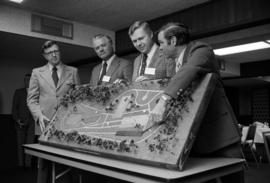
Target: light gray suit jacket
(119, 69)
(43, 96)
(165, 68)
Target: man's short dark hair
(178, 30)
(103, 35)
(48, 44)
(139, 24)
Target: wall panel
(212, 18)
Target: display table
(196, 169)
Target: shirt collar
(59, 66)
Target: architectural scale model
(113, 121)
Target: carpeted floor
(260, 174)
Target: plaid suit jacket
(164, 67)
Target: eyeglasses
(52, 52)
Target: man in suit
(24, 122)
(47, 85)
(193, 61)
(150, 63)
(113, 68)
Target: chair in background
(240, 127)
(266, 139)
(249, 142)
(243, 155)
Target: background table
(258, 134)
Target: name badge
(150, 71)
(106, 78)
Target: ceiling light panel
(16, 1)
(242, 48)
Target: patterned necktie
(103, 73)
(143, 64)
(55, 76)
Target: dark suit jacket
(164, 67)
(20, 110)
(199, 60)
(119, 69)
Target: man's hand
(157, 113)
(141, 78)
(42, 120)
(117, 81)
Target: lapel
(65, 74)
(45, 73)
(114, 65)
(137, 65)
(96, 74)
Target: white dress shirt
(179, 60)
(151, 54)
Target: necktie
(103, 73)
(143, 64)
(55, 76)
